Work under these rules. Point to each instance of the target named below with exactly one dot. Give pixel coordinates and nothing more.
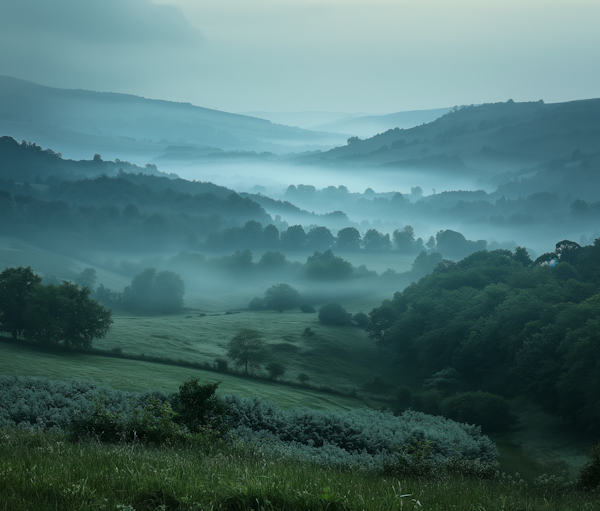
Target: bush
(275, 370)
(489, 411)
(333, 313)
(307, 308)
(589, 478)
(448, 381)
(280, 297)
(198, 407)
(153, 423)
(256, 304)
(221, 365)
(361, 319)
(303, 378)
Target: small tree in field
(245, 348)
(303, 378)
(281, 297)
(275, 370)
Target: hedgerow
(361, 438)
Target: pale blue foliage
(364, 437)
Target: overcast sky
(378, 56)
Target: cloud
(97, 22)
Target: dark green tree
(381, 320)
(404, 239)
(374, 240)
(245, 349)
(66, 314)
(333, 313)
(348, 238)
(281, 297)
(199, 407)
(275, 370)
(154, 292)
(16, 284)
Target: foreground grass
(42, 471)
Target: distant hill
(493, 138)
(371, 125)
(97, 121)
(306, 120)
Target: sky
(376, 56)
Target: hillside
(488, 139)
(370, 125)
(79, 120)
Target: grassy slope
(135, 375)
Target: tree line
(507, 325)
(50, 314)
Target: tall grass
(41, 470)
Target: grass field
(341, 357)
(136, 375)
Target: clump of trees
(153, 292)
(278, 297)
(333, 313)
(50, 314)
(508, 325)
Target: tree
(374, 240)
(294, 237)
(381, 319)
(281, 296)
(16, 284)
(155, 292)
(87, 278)
(303, 378)
(405, 239)
(333, 313)
(319, 238)
(245, 349)
(65, 313)
(198, 406)
(348, 239)
(327, 266)
(275, 370)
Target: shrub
(490, 411)
(362, 437)
(221, 365)
(448, 381)
(303, 378)
(280, 297)
(256, 304)
(307, 308)
(198, 407)
(333, 313)
(275, 370)
(361, 319)
(152, 423)
(589, 478)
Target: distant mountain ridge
(100, 119)
(494, 138)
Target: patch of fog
(276, 177)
